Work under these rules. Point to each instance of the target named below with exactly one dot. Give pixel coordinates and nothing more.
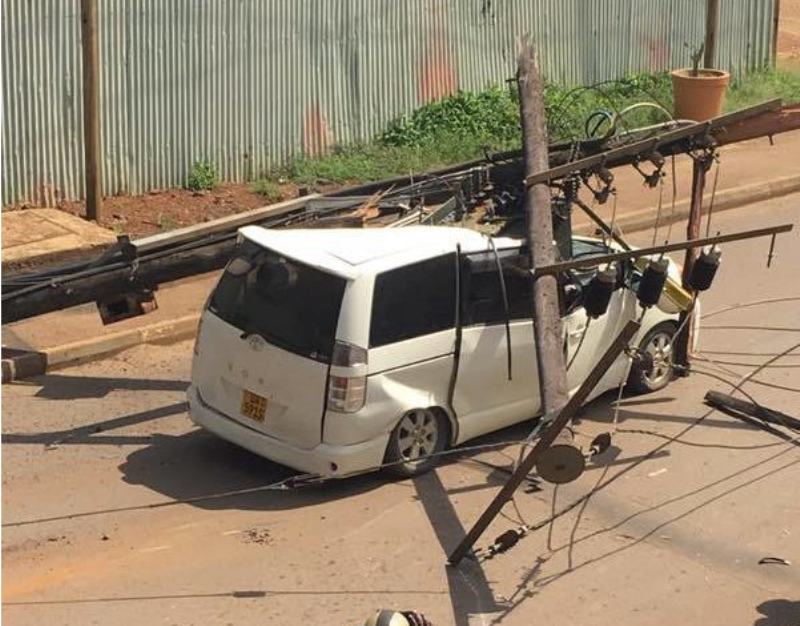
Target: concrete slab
(40, 236)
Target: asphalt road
(675, 538)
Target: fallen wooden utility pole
(768, 117)
(545, 441)
(547, 329)
(765, 124)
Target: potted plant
(699, 93)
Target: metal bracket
(652, 179)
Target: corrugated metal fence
(249, 83)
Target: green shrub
(491, 118)
(203, 175)
(268, 188)
(491, 115)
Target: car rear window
(413, 301)
(291, 305)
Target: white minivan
(335, 351)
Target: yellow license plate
(254, 406)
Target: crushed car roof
(349, 252)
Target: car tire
(418, 437)
(658, 344)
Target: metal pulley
(562, 462)
(704, 269)
(652, 283)
(599, 291)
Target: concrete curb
(21, 364)
(27, 364)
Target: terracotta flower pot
(699, 97)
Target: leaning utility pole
(700, 167)
(547, 328)
(91, 106)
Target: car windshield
(289, 304)
(582, 249)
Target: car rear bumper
(324, 459)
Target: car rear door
(265, 344)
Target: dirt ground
(168, 209)
(97, 458)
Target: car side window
(582, 249)
(481, 290)
(414, 300)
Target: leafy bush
(203, 175)
(491, 116)
(569, 109)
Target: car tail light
(347, 391)
(346, 394)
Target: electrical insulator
(506, 541)
(598, 292)
(704, 269)
(601, 443)
(604, 174)
(652, 284)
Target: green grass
(763, 86)
(461, 126)
(268, 188)
(373, 161)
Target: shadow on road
(470, 593)
(778, 613)
(200, 465)
(90, 433)
(67, 387)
